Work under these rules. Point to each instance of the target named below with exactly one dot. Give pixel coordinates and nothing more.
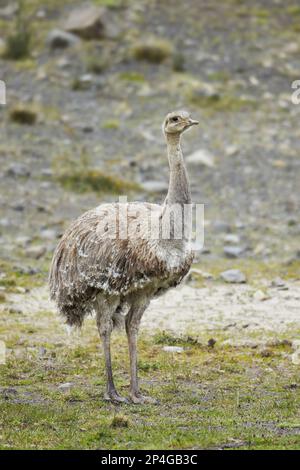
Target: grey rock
(84, 82)
(47, 172)
(17, 170)
(42, 351)
(221, 226)
(18, 206)
(231, 150)
(234, 276)
(48, 234)
(260, 295)
(233, 251)
(58, 39)
(35, 252)
(23, 240)
(65, 386)
(8, 11)
(28, 270)
(231, 238)
(173, 349)
(279, 284)
(87, 22)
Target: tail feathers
(72, 315)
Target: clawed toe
(139, 399)
(115, 397)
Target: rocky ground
(82, 125)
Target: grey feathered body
(92, 262)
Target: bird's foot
(139, 399)
(115, 397)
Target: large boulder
(87, 22)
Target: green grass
(95, 180)
(221, 397)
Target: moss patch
(152, 50)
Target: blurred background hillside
(88, 85)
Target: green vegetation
(132, 77)
(152, 50)
(216, 102)
(96, 64)
(95, 180)
(77, 175)
(19, 41)
(13, 279)
(111, 124)
(111, 3)
(23, 115)
(221, 397)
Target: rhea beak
(192, 122)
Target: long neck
(179, 187)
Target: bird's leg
(105, 328)
(132, 326)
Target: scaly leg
(104, 323)
(132, 325)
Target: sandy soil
(216, 307)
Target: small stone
(201, 157)
(35, 252)
(234, 276)
(233, 251)
(28, 270)
(83, 83)
(8, 11)
(231, 150)
(221, 227)
(278, 282)
(65, 386)
(173, 349)
(48, 234)
(9, 392)
(42, 351)
(260, 295)
(18, 206)
(231, 238)
(200, 273)
(58, 39)
(296, 344)
(296, 357)
(17, 170)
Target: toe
(142, 399)
(115, 397)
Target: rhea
(116, 257)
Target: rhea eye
(175, 119)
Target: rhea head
(178, 122)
